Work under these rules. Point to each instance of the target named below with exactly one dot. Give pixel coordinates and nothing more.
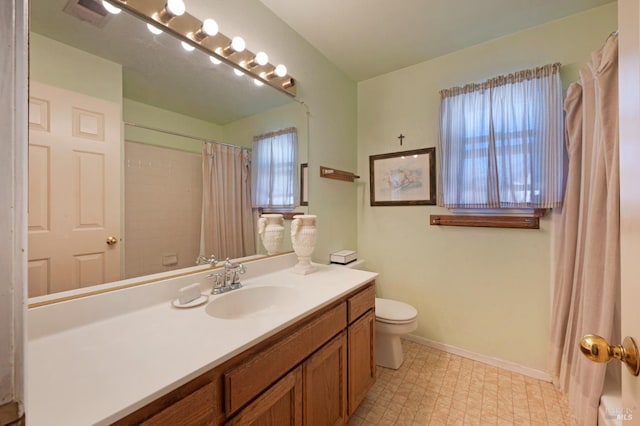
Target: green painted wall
(484, 290)
(331, 99)
(148, 115)
(60, 65)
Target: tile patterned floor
(438, 388)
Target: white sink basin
(251, 301)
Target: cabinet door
(325, 384)
(362, 362)
(280, 405)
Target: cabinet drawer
(194, 409)
(247, 380)
(361, 302)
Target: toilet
(393, 319)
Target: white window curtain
(502, 142)
(275, 170)
(227, 221)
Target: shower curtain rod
(182, 135)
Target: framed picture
(405, 178)
(304, 184)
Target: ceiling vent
(90, 11)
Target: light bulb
(215, 60)
(238, 44)
(155, 30)
(238, 72)
(261, 58)
(281, 70)
(175, 7)
(210, 27)
(257, 82)
(111, 8)
(187, 46)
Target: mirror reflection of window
(275, 170)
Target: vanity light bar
(185, 26)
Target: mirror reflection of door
(74, 207)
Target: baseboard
(496, 362)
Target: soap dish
(196, 302)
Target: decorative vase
(303, 239)
(271, 230)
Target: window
(502, 142)
(275, 170)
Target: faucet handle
(236, 271)
(211, 260)
(218, 284)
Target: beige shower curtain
(587, 269)
(228, 228)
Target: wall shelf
(330, 173)
(518, 222)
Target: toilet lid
(392, 310)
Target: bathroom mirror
(167, 95)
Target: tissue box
(343, 257)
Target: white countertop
(101, 370)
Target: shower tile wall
(163, 207)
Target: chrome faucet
(211, 260)
(229, 279)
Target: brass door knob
(112, 240)
(597, 349)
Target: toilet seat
(394, 312)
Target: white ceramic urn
(271, 230)
(303, 239)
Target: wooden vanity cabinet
(362, 362)
(280, 405)
(194, 403)
(325, 384)
(252, 376)
(361, 334)
(196, 408)
(315, 372)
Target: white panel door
(629, 62)
(74, 190)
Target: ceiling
(364, 38)
(367, 38)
